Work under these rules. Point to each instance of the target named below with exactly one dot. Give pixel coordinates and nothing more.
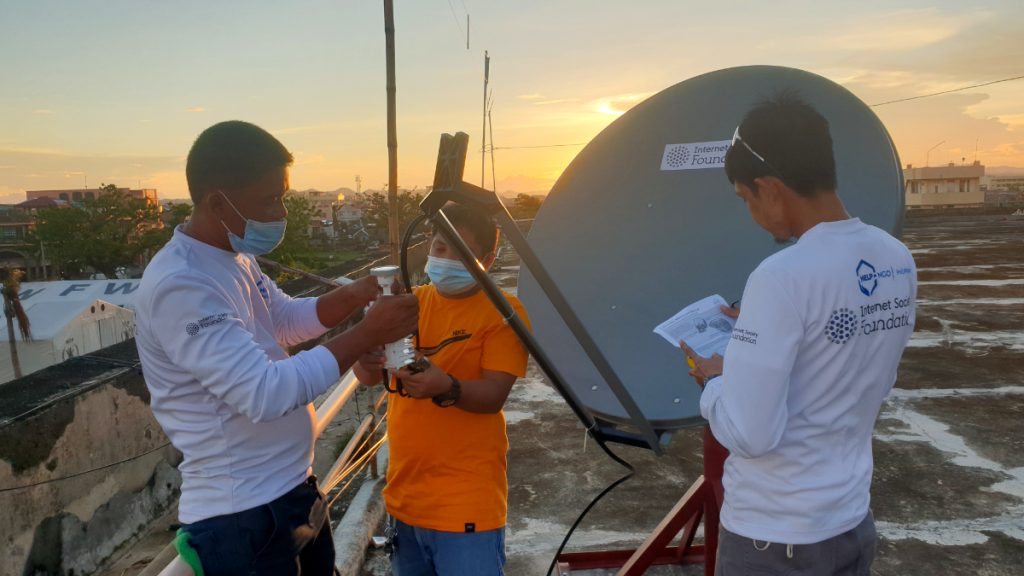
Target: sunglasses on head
(737, 138)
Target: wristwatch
(450, 397)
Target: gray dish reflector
(644, 222)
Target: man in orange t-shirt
(446, 485)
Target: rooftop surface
(948, 490)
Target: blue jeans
(288, 536)
(424, 552)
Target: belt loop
(789, 551)
(760, 549)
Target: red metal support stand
(702, 501)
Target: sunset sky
(115, 91)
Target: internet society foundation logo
(677, 156)
(842, 325)
(694, 155)
(867, 278)
(193, 328)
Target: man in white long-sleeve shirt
(211, 331)
(814, 353)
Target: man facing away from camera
(813, 355)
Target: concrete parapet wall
(80, 475)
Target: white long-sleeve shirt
(210, 327)
(813, 355)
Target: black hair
(231, 155)
(795, 142)
(479, 225)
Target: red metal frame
(702, 501)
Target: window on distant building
(77, 196)
(64, 196)
(9, 232)
(90, 196)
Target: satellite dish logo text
(694, 155)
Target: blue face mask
(450, 276)
(259, 237)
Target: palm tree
(11, 278)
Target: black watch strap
(450, 397)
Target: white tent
(64, 329)
(120, 292)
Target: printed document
(702, 325)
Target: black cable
(538, 146)
(403, 258)
(612, 486)
(948, 91)
(77, 474)
(403, 268)
(456, 17)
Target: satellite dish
(644, 222)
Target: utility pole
(42, 260)
(389, 40)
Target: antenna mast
(483, 138)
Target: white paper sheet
(702, 325)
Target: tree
(175, 214)
(301, 213)
(376, 212)
(525, 207)
(11, 287)
(111, 231)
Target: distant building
(84, 194)
(348, 213)
(323, 202)
(949, 186)
(15, 251)
(1004, 198)
(1012, 183)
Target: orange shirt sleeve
(502, 350)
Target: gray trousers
(848, 554)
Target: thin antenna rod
(490, 122)
(467, 30)
(483, 139)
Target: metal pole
(483, 138)
(575, 325)
(389, 37)
(448, 231)
(494, 180)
